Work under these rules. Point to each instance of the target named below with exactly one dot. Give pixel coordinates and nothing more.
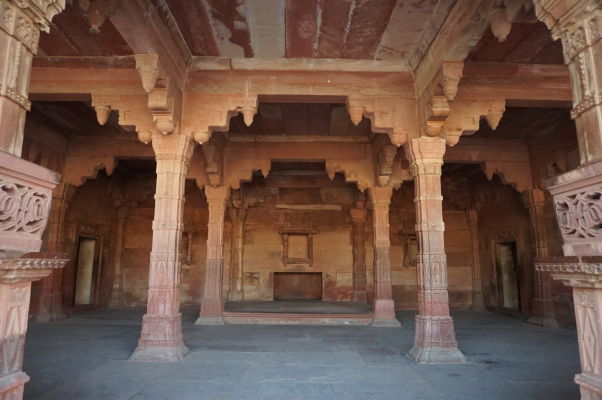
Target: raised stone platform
(298, 312)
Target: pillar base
(386, 323)
(590, 386)
(434, 355)
(204, 320)
(435, 341)
(360, 296)
(159, 354)
(11, 386)
(545, 322)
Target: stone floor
(299, 307)
(85, 357)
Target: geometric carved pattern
(22, 208)
(580, 214)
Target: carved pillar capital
(425, 155)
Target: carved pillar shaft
(161, 337)
(542, 305)
(477, 287)
(51, 297)
(20, 25)
(384, 306)
(212, 304)
(358, 219)
(435, 340)
(238, 216)
(117, 293)
(16, 276)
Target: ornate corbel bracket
(164, 97)
(394, 116)
(500, 23)
(356, 172)
(133, 112)
(438, 97)
(217, 111)
(464, 117)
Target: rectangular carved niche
(297, 248)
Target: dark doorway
(87, 272)
(507, 276)
(297, 286)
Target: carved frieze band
(23, 208)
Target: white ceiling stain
(266, 24)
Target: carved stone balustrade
(584, 275)
(25, 198)
(578, 203)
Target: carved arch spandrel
(78, 169)
(517, 175)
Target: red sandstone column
(117, 293)
(16, 276)
(358, 219)
(20, 25)
(212, 304)
(384, 306)
(238, 214)
(51, 297)
(435, 340)
(477, 286)
(161, 337)
(542, 305)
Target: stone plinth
(578, 204)
(16, 275)
(584, 275)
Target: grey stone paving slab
(85, 357)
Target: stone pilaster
(238, 214)
(584, 275)
(579, 25)
(212, 303)
(161, 337)
(117, 292)
(477, 286)
(435, 340)
(358, 219)
(542, 306)
(384, 306)
(51, 296)
(20, 25)
(16, 276)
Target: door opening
(507, 276)
(86, 274)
